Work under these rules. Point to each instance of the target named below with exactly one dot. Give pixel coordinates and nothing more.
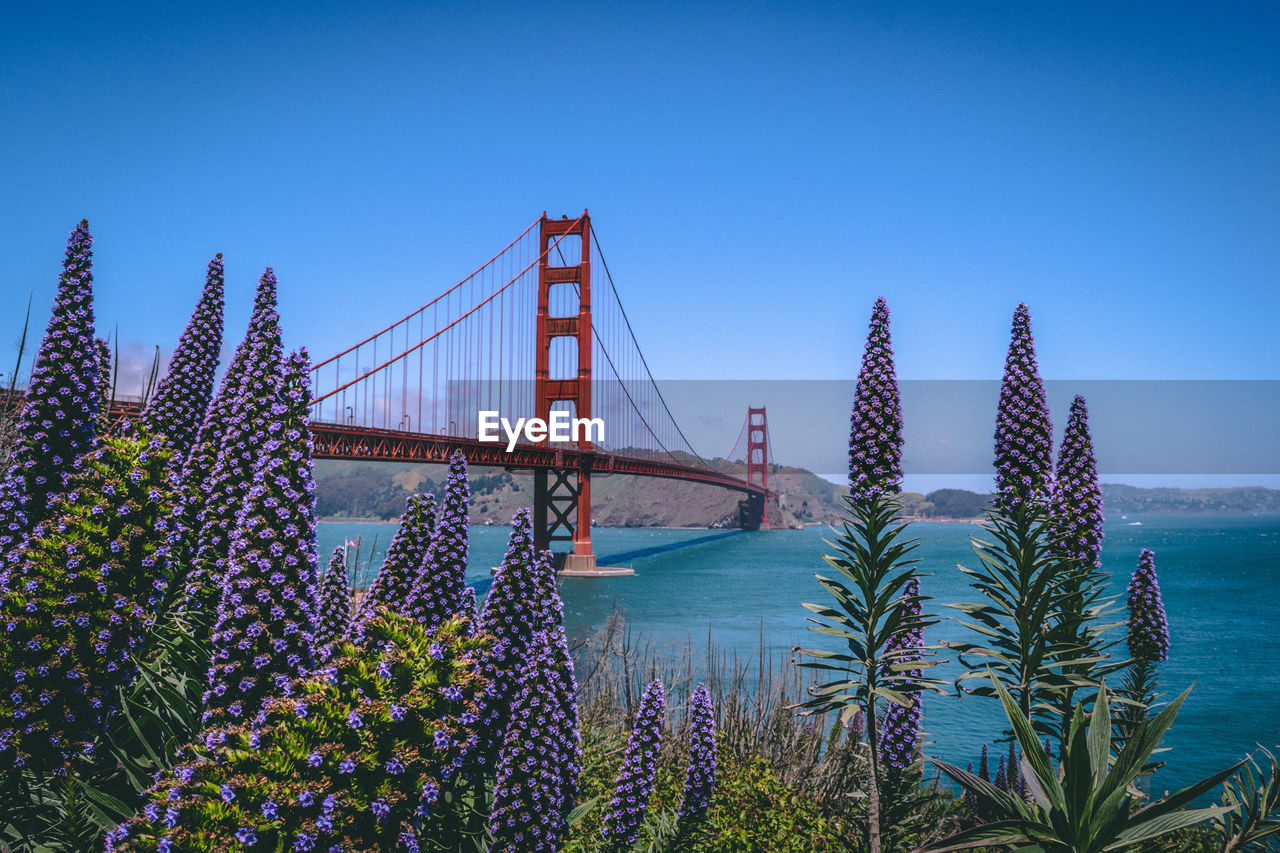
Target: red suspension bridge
(535, 332)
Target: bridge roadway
(343, 441)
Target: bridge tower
(755, 507)
(562, 495)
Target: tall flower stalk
(1077, 523)
(58, 418)
(541, 756)
(178, 407)
(700, 778)
(1148, 644)
(438, 588)
(875, 569)
(231, 441)
(393, 586)
(1021, 574)
(261, 636)
(333, 608)
(900, 736)
(634, 784)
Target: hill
(377, 490)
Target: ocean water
(1220, 577)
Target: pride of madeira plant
(1027, 583)
(876, 621)
(1088, 804)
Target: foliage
(1088, 804)
(1025, 584)
(1253, 823)
(358, 757)
(84, 593)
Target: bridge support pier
(562, 496)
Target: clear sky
(757, 173)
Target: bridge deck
(341, 441)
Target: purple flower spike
(1148, 628)
(541, 755)
(639, 764)
(515, 609)
(261, 632)
(177, 410)
(1077, 493)
(59, 414)
(1024, 433)
(438, 591)
(900, 736)
(231, 442)
(103, 352)
(333, 610)
(394, 585)
(875, 434)
(700, 779)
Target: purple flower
(177, 409)
(1024, 433)
(265, 615)
(393, 585)
(333, 608)
(1077, 493)
(639, 764)
(58, 418)
(700, 778)
(1148, 627)
(875, 432)
(540, 756)
(438, 585)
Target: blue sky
(757, 173)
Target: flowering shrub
(58, 419)
(177, 409)
(635, 780)
(356, 758)
(541, 755)
(441, 579)
(261, 636)
(1024, 433)
(700, 779)
(84, 591)
(875, 435)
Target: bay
(1219, 575)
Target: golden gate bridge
(534, 331)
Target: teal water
(1219, 576)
